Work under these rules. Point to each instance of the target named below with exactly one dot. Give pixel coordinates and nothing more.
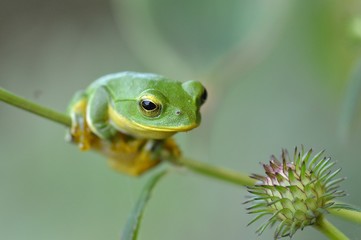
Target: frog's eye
(150, 108)
(204, 96)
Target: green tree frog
(131, 116)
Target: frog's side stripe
(133, 128)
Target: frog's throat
(143, 131)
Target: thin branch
(350, 215)
(199, 167)
(35, 108)
(215, 172)
(329, 230)
(223, 174)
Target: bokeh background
(277, 72)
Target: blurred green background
(277, 74)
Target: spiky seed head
(294, 193)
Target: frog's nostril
(178, 112)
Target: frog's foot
(171, 151)
(80, 132)
(135, 156)
(135, 165)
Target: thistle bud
(294, 193)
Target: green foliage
(131, 230)
(352, 101)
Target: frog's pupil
(148, 105)
(204, 96)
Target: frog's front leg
(97, 114)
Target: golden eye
(149, 107)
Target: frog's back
(124, 80)
(128, 84)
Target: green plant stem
(32, 107)
(329, 229)
(217, 172)
(198, 167)
(351, 215)
(223, 174)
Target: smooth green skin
(121, 94)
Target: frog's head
(161, 109)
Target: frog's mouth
(167, 129)
(145, 131)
